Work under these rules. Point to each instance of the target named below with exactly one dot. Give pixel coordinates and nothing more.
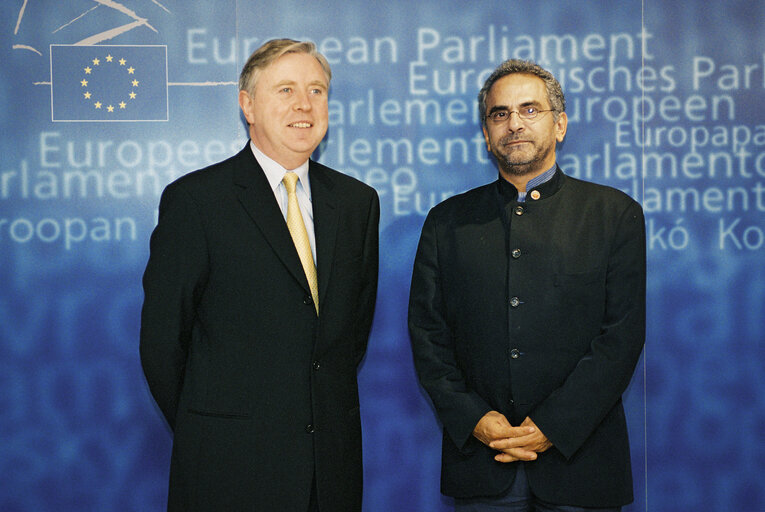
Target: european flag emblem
(108, 83)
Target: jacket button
(518, 210)
(515, 302)
(316, 365)
(308, 300)
(515, 353)
(516, 253)
(309, 429)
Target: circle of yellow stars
(97, 104)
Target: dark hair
(512, 66)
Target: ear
(560, 127)
(486, 138)
(245, 103)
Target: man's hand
(535, 442)
(495, 431)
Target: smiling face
(523, 148)
(287, 112)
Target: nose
(514, 122)
(302, 101)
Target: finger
(514, 455)
(513, 433)
(514, 442)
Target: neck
(519, 179)
(288, 162)
(519, 182)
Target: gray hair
(512, 66)
(270, 52)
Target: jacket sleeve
(570, 414)
(458, 408)
(173, 280)
(368, 294)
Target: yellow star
(122, 104)
(110, 108)
(97, 104)
(131, 70)
(96, 62)
(84, 83)
(132, 95)
(88, 70)
(109, 58)
(87, 95)
(122, 62)
(135, 83)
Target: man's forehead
(296, 65)
(522, 87)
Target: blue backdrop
(106, 101)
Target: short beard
(515, 168)
(518, 168)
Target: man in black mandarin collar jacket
(527, 316)
(259, 389)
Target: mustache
(507, 139)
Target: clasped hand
(513, 443)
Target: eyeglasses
(499, 116)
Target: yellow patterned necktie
(300, 236)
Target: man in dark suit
(259, 297)
(527, 317)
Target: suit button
(309, 429)
(316, 365)
(515, 302)
(518, 210)
(516, 253)
(515, 353)
(308, 300)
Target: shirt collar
(510, 193)
(536, 181)
(275, 172)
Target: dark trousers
(519, 499)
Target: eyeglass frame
(489, 116)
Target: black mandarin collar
(508, 193)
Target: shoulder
(207, 177)
(595, 192)
(353, 196)
(467, 203)
(209, 184)
(340, 181)
(603, 205)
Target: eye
(286, 90)
(498, 115)
(317, 91)
(530, 111)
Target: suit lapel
(325, 218)
(257, 198)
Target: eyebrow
(497, 108)
(294, 83)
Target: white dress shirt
(274, 174)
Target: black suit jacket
(260, 392)
(533, 309)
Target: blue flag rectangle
(108, 83)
